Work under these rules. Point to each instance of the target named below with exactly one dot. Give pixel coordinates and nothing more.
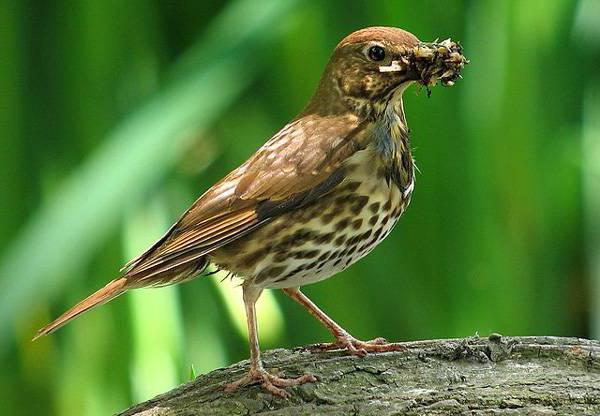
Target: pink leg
(257, 374)
(344, 339)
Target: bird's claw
(272, 383)
(355, 346)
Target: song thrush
(318, 196)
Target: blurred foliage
(116, 115)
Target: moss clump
(429, 63)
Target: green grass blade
(139, 152)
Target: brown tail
(107, 293)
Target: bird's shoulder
(297, 158)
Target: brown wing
(302, 161)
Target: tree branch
(480, 376)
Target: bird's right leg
(344, 339)
(257, 373)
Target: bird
(318, 196)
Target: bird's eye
(376, 53)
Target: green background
(115, 115)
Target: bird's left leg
(257, 373)
(344, 339)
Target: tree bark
(472, 376)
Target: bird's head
(371, 66)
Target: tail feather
(107, 293)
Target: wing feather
(301, 162)
(199, 238)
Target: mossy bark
(471, 376)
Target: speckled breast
(317, 241)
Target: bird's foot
(273, 384)
(355, 346)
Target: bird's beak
(429, 63)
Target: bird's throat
(392, 142)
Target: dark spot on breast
(283, 245)
(342, 224)
(387, 205)
(275, 271)
(324, 256)
(251, 259)
(280, 257)
(367, 245)
(374, 207)
(327, 218)
(304, 254)
(295, 271)
(324, 238)
(274, 230)
(270, 273)
(357, 223)
(312, 265)
(308, 215)
(359, 204)
(373, 220)
(353, 240)
(297, 239)
(302, 236)
(340, 200)
(311, 253)
(340, 240)
(297, 254)
(351, 198)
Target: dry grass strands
(431, 62)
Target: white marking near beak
(394, 66)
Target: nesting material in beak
(431, 62)
(393, 67)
